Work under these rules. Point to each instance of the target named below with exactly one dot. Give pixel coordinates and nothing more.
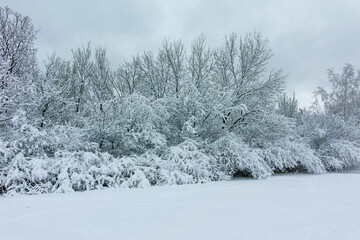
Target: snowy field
(282, 207)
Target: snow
(289, 206)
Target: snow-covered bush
(188, 158)
(77, 170)
(235, 157)
(263, 129)
(334, 141)
(161, 172)
(340, 155)
(80, 171)
(34, 141)
(70, 138)
(288, 155)
(26, 175)
(6, 156)
(27, 139)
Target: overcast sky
(307, 37)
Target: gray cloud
(307, 37)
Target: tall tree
(174, 52)
(17, 36)
(200, 62)
(53, 91)
(129, 75)
(156, 73)
(248, 87)
(17, 62)
(82, 69)
(344, 97)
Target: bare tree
(130, 75)
(200, 62)
(174, 51)
(156, 73)
(225, 71)
(254, 56)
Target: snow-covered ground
(282, 207)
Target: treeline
(166, 117)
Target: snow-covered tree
(129, 76)
(344, 97)
(18, 65)
(82, 70)
(174, 53)
(156, 75)
(200, 63)
(17, 36)
(335, 141)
